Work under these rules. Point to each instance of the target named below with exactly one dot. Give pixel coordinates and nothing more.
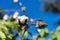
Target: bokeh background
(35, 10)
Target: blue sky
(32, 11)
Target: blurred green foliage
(7, 26)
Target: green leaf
(44, 33)
(2, 35)
(8, 38)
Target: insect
(41, 24)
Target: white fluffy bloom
(23, 18)
(5, 17)
(20, 3)
(15, 14)
(15, 1)
(39, 30)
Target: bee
(41, 24)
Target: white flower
(23, 18)
(15, 1)
(20, 3)
(23, 9)
(15, 15)
(39, 30)
(5, 17)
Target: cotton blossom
(23, 22)
(23, 18)
(15, 15)
(20, 3)
(5, 17)
(23, 9)
(15, 1)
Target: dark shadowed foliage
(53, 6)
